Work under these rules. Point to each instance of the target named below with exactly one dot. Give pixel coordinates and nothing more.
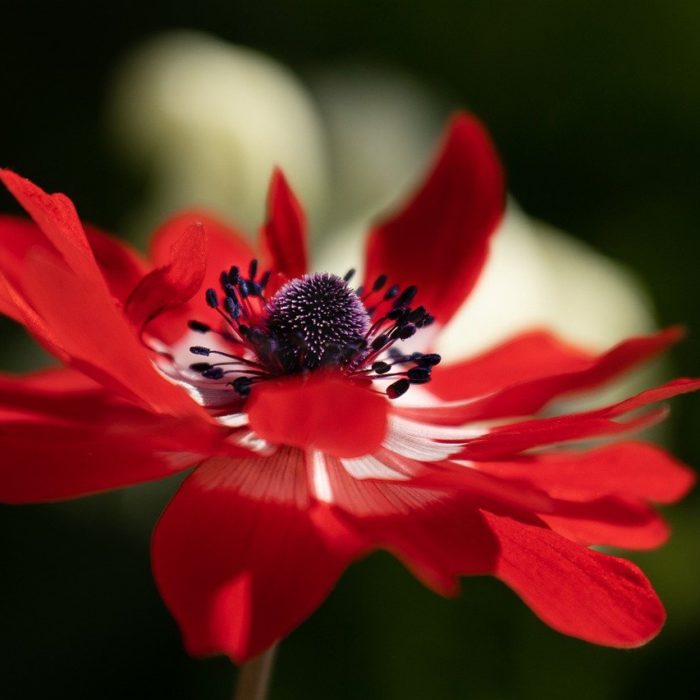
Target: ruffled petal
(610, 521)
(517, 437)
(525, 387)
(45, 392)
(92, 335)
(513, 438)
(243, 553)
(528, 356)
(171, 285)
(323, 412)
(482, 490)
(605, 520)
(439, 536)
(17, 237)
(66, 304)
(633, 469)
(57, 219)
(62, 436)
(225, 247)
(121, 266)
(284, 234)
(439, 241)
(577, 591)
(14, 305)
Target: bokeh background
(595, 108)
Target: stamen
(212, 298)
(406, 297)
(379, 342)
(213, 373)
(379, 283)
(429, 360)
(242, 385)
(314, 321)
(405, 332)
(419, 375)
(232, 307)
(392, 292)
(198, 327)
(398, 388)
(200, 350)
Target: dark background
(595, 107)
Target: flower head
(320, 423)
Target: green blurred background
(595, 107)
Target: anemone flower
(319, 423)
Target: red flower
(285, 390)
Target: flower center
(314, 321)
(317, 320)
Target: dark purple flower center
(317, 320)
(312, 322)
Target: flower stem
(254, 676)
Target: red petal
(614, 522)
(173, 284)
(634, 469)
(96, 339)
(591, 520)
(528, 394)
(483, 490)
(121, 266)
(438, 535)
(439, 241)
(243, 554)
(676, 387)
(56, 217)
(62, 436)
(225, 247)
(72, 311)
(580, 592)
(516, 437)
(48, 392)
(525, 357)
(284, 234)
(17, 237)
(324, 412)
(14, 305)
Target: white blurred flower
(208, 121)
